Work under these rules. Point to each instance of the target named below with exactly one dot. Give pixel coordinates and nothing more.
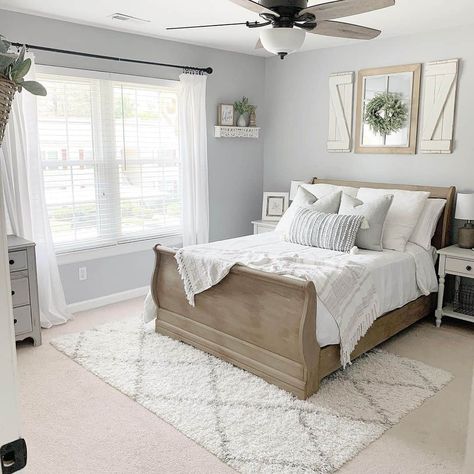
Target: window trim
(171, 238)
(113, 250)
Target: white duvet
(399, 277)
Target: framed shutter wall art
(341, 98)
(439, 85)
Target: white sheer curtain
(193, 152)
(21, 173)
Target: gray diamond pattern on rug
(249, 424)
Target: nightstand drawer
(20, 292)
(260, 229)
(460, 266)
(18, 260)
(22, 319)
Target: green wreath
(386, 113)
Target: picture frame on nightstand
(274, 205)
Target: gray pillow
(326, 231)
(329, 203)
(375, 211)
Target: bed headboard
(442, 237)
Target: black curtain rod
(207, 70)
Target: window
(110, 159)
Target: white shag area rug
(249, 424)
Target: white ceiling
(405, 18)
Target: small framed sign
(274, 206)
(225, 115)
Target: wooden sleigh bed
(266, 324)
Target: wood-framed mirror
(399, 83)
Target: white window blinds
(110, 160)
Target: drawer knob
(13, 293)
(15, 321)
(469, 268)
(11, 262)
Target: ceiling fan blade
(259, 44)
(204, 26)
(342, 8)
(344, 30)
(254, 7)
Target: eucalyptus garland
(386, 113)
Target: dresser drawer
(460, 266)
(18, 260)
(20, 292)
(22, 319)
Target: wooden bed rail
(260, 322)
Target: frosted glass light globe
(282, 41)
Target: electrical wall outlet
(82, 273)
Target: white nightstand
(453, 261)
(260, 227)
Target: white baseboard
(106, 300)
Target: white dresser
(260, 227)
(24, 285)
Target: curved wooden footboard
(260, 322)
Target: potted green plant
(243, 108)
(13, 68)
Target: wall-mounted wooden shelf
(236, 132)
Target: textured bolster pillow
(375, 211)
(326, 231)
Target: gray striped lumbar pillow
(326, 231)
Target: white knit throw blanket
(345, 287)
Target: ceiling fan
(290, 20)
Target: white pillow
(427, 222)
(328, 204)
(402, 216)
(320, 190)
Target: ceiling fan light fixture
(282, 41)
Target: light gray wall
(235, 166)
(106, 276)
(297, 103)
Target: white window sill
(118, 249)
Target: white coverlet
(399, 277)
(343, 284)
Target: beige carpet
(74, 423)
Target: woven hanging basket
(7, 92)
